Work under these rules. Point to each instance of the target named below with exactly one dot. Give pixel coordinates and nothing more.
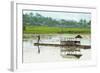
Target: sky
(61, 15)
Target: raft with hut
(67, 43)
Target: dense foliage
(39, 20)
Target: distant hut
(79, 36)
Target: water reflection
(71, 52)
(33, 53)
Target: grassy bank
(53, 30)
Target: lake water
(52, 53)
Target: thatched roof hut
(78, 36)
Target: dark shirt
(38, 37)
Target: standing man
(38, 38)
(38, 43)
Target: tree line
(39, 20)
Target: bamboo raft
(63, 45)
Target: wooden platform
(61, 45)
